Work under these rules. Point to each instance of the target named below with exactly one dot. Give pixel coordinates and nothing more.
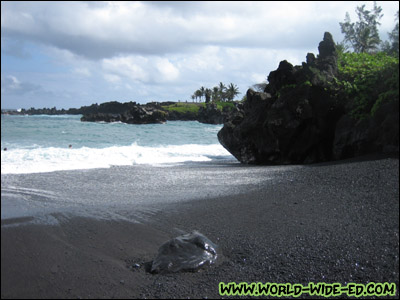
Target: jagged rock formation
(210, 114)
(153, 112)
(137, 114)
(293, 121)
(298, 120)
(378, 134)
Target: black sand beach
(333, 222)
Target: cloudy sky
(69, 54)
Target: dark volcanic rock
(137, 114)
(211, 114)
(101, 117)
(284, 75)
(379, 134)
(182, 116)
(298, 119)
(144, 115)
(293, 121)
(296, 128)
(187, 252)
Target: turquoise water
(41, 143)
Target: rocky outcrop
(144, 115)
(293, 121)
(378, 134)
(298, 119)
(101, 117)
(188, 252)
(296, 128)
(154, 112)
(210, 114)
(182, 116)
(137, 114)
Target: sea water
(43, 143)
(113, 171)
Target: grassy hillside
(182, 107)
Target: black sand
(336, 222)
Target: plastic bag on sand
(187, 252)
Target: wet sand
(333, 222)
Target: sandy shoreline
(321, 223)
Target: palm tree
(232, 91)
(222, 90)
(203, 92)
(215, 94)
(198, 94)
(207, 94)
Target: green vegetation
(183, 107)
(366, 81)
(217, 94)
(367, 78)
(194, 107)
(221, 105)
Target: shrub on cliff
(366, 81)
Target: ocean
(41, 143)
(113, 171)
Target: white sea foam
(38, 160)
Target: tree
(215, 94)
(198, 94)
(221, 90)
(363, 35)
(207, 94)
(202, 91)
(392, 47)
(232, 91)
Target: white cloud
(166, 70)
(127, 66)
(112, 78)
(11, 85)
(12, 82)
(105, 30)
(161, 50)
(138, 68)
(258, 77)
(112, 29)
(202, 60)
(83, 71)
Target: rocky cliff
(297, 119)
(136, 114)
(155, 112)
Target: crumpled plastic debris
(187, 252)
